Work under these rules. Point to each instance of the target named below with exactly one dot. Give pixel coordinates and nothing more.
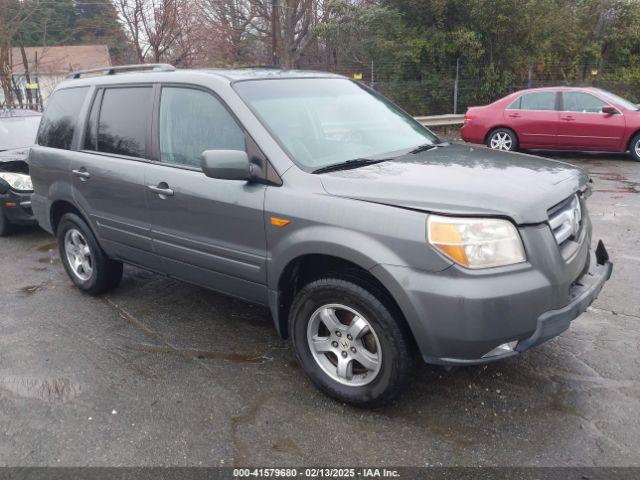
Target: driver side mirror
(609, 110)
(226, 164)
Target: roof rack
(154, 67)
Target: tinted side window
(124, 120)
(192, 121)
(538, 101)
(61, 117)
(582, 102)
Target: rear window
(60, 118)
(123, 120)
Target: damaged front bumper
(552, 323)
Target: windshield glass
(624, 103)
(324, 122)
(18, 132)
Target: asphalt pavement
(160, 372)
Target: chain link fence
(452, 88)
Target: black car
(18, 129)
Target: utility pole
(530, 79)
(274, 29)
(455, 87)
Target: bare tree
(160, 30)
(296, 22)
(229, 25)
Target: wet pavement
(160, 372)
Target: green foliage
(414, 45)
(50, 23)
(70, 22)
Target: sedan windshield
(623, 102)
(18, 132)
(326, 121)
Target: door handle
(162, 189)
(514, 115)
(568, 118)
(82, 174)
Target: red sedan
(561, 118)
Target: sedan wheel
(501, 140)
(344, 345)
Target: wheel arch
(633, 135)
(493, 129)
(305, 268)
(59, 208)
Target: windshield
(624, 103)
(18, 132)
(325, 121)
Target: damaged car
(372, 241)
(18, 129)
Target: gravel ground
(164, 373)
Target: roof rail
(154, 67)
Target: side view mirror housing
(609, 110)
(226, 164)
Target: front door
(108, 172)
(534, 118)
(583, 125)
(208, 231)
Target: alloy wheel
(78, 254)
(501, 141)
(344, 344)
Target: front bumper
(552, 323)
(583, 292)
(460, 319)
(16, 207)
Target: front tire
(634, 148)
(350, 342)
(84, 260)
(503, 139)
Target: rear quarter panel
(49, 170)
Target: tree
(14, 15)
(160, 30)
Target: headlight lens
(18, 181)
(476, 242)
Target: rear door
(208, 231)
(108, 173)
(583, 126)
(534, 118)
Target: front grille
(565, 219)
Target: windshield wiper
(426, 146)
(355, 163)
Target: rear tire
(5, 226)
(330, 343)
(84, 260)
(503, 139)
(634, 148)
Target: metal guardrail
(441, 120)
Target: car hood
(463, 180)
(14, 160)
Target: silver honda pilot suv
(372, 241)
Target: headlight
(476, 242)
(17, 181)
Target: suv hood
(463, 180)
